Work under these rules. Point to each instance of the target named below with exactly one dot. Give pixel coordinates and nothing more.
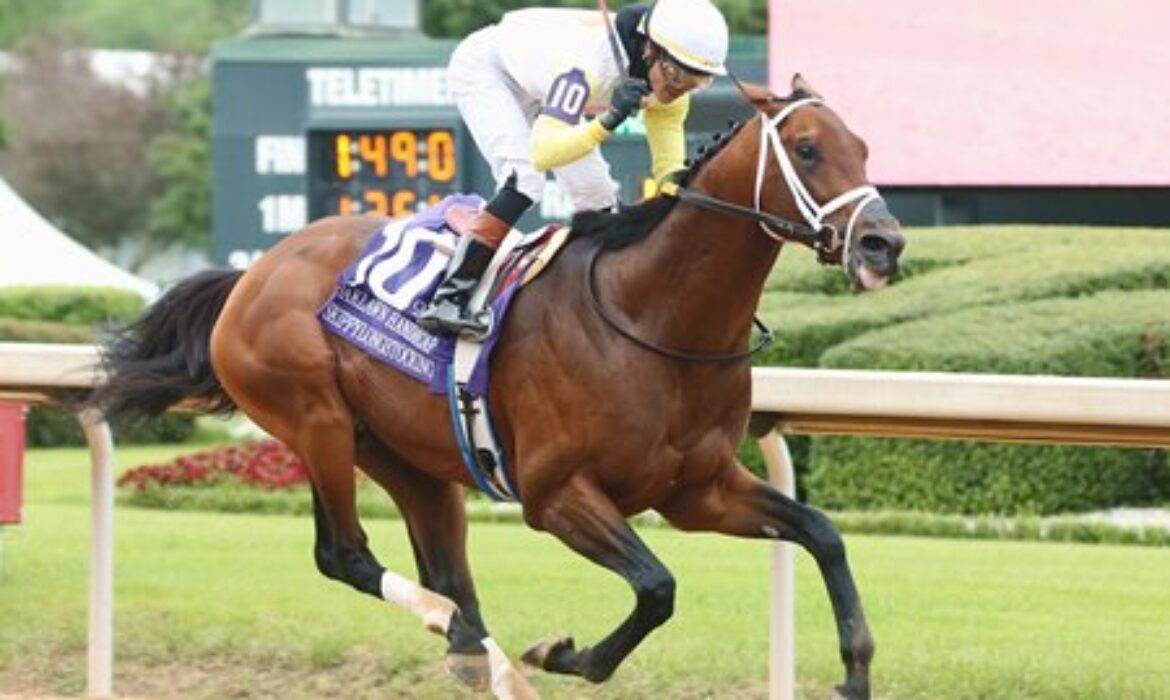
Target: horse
(620, 383)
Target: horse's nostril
(885, 243)
(873, 244)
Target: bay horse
(621, 382)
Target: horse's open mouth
(866, 280)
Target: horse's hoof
(538, 654)
(472, 670)
(844, 692)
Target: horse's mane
(630, 224)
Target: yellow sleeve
(554, 143)
(665, 136)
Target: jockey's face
(670, 79)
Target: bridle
(816, 232)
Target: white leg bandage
(434, 610)
(507, 683)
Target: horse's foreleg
(436, 521)
(588, 522)
(740, 504)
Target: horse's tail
(164, 357)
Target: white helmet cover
(693, 32)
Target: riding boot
(448, 312)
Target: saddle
(381, 293)
(519, 253)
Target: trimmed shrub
(57, 427)
(972, 478)
(1076, 263)
(16, 330)
(74, 305)
(1113, 334)
(75, 315)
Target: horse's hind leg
(740, 504)
(588, 522)
(437, 524)
(342, 553)
(316, 424)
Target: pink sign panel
(11, 461)
(990, 93)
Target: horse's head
(812, 167)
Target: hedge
(1026, 266)
(934, 248)
(76, 315)
(73, 305)
(14, 330)
(56, 427)
(1112, 334)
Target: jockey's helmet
(693, 32)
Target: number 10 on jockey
(543, 88)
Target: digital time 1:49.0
(383, 172)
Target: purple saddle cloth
(379, 296)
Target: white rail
(937, 405)
(1067, 410)
(33, 372)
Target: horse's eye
(806, 152)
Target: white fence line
(32, 372)
(936, 405)
(1066, 410)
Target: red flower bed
(266, 464)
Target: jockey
(524, 87)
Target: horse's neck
(696, 280)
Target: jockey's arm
(666, 137)
(555, 143)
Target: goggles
(680, 78)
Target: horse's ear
(799, 84)
(757, 94)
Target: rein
(765, 339)
(793, 231)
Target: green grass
(217, 605)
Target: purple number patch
(567, 96)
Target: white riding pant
(500, 116)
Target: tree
(78, 146)
(19, 18)
(158, 25)
(181, 160)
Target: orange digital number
(404, 149)
(344, 205)
(378, 201)
(373, 151)
(441, 156)
(341, 147)
(404, 201)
